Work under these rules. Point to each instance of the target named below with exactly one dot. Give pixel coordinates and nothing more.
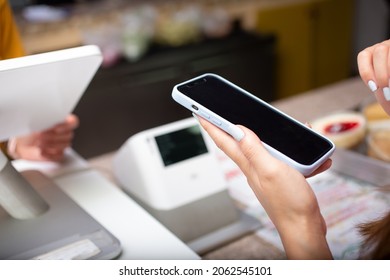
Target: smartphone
(225, 105)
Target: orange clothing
(10, 42)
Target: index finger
(374, 65)
(224, 141)
(366, 67)
(68, 125)
(247, 154)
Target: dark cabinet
(133, 96)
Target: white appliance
(173, 172)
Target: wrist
(306, 239)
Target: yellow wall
(314, 42)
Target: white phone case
(237, 133)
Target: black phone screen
(276, 130)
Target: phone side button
(204, 115)
(217, 122)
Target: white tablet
(39, 91)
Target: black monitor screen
(181, 145)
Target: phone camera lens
(195, 107)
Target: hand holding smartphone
(225, 105)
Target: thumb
(72, 121)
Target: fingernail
(372, 85)
(239, 136)
(386, 93)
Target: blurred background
(273, 48)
